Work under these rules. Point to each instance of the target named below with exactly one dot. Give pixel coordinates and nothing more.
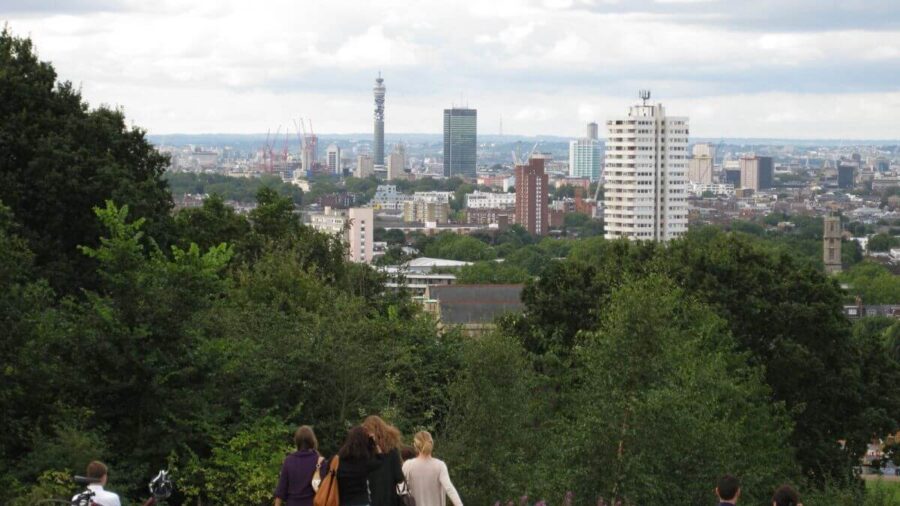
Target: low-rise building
(490, 200)
(472, 308)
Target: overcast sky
(737, 68)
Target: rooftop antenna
(645, 95)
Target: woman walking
(384, 479)
(427, 477)
(295, 481)
(356, 459)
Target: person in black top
(384, 479)
(357, 458)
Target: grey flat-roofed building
(481, 304)
(460, 142)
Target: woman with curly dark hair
(356, 459)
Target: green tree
(882, 242)
(490, 440)
(491, 272)
(59, 159)
(667, 404)
(458, 247)
(872, 282)
(210, 225)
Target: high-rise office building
(847, 174)
(585, 156)
(645, 172)
(532, 212)
(333, 159)
(379, 120)
(756, 172)
(460, 142)
(396, 167)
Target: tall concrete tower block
(379, 121)
(831, 245)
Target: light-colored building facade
(333, 159)
(831, 245)
(365, 166)
(646, 174)
(356, 226)
(756, 172)
(424, 211)
(387, 197)
(396, 163)
(700, 169)
(586, 155)
(489, 200)
(361, 234)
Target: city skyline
(761, 69)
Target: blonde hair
(387, 436)
(423, 442)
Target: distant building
(846, 174)
(500, 218)
(703, 149)
(700, 169)
(355, 227)
(756, 172)
(333, 159)
(831, 245)
(585, 155)
(645, 172)
(365, 166)
(472, 308)
(732, 177)
(396, 166)
(387, 197)
(423, 211)
(460, 142)
(379, 92)
(489, 200)
(531, 197)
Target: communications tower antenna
(645, 95)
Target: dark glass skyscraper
(460, 141)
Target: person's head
(408, 452)
(423, 443)
(728, 488)
(305, 439)
(358, 446)
(387, 436)
(786, 495)
(97, 470)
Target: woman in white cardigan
(427, 477)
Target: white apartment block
(585, 158)
(433, 196)
(489, 200)
(646, 174)
(358, 234)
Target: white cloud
(546, 65)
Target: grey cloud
(49, 7)
(767, 15)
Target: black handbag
(406, 499)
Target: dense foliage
(238, 189)
(199, 340)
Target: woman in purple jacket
(295, 482)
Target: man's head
(98, 471)
(728, 489)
